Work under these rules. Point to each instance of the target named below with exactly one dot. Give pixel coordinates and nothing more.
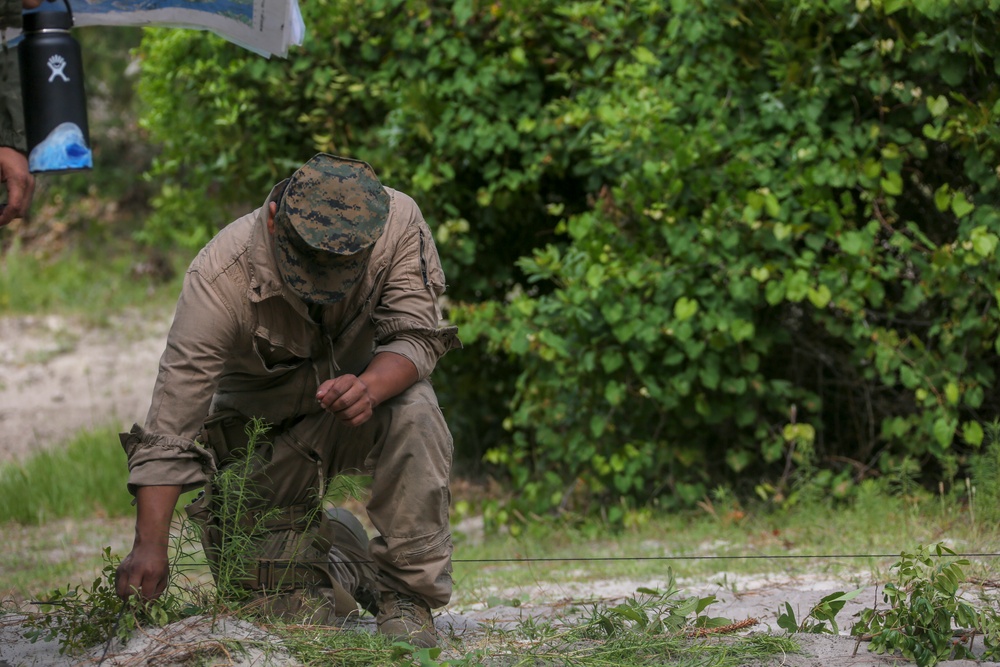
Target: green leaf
(613, 312)
(741, 330)
(944, 431)
(772, 206)
(892, 184)
(951, 393)
(685, 308)
(908, 377)
(984, 242)
(853, 243)
(961, 206)
(820, 296)
(942, 198)
(937, 105)
(786, 620)
(774, 294)
(614, 392)
(645, 56)
(612, 360)
(597, 425)
(972, 433)
(797, 286)
(782, 231)
(738, 459)
(595, 275)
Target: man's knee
(413, 422)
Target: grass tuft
(71, 282)
(83, 479)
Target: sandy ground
(58, 376)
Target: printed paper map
(268, 27)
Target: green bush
(686, 240)
(794, 262)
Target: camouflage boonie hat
(331, 214)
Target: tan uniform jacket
(241, 340)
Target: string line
(741, 557)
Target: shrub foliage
(687, 240)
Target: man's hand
(145, 571)
(20, 184)
(348, 398)
(353, 399)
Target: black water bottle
(55, 106)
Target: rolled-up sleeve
(408, 316)
(157, 459)
(165, 452)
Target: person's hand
(348, 398)
(144, 572)
(353, 399)
(20, 184)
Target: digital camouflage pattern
(332, 212)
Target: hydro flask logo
(56, 65)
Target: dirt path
(58, 376)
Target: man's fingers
(145, 585)
(124, 586)
(351, 413)
(331, 390)
(16, 198)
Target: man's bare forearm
(146, 569)
(154, 512)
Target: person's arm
(408, 318)
(145, 571)
(14, 174)
(164, 460)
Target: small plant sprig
(821, 619)
(927, 620)
(655, 611)
(81, 618)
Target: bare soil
(58, 376)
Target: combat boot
(407, 619)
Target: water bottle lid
(44, 18)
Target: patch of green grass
(83, 479)
(321, 645)
(77, 283)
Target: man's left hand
(348, 398)
(353, 399)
